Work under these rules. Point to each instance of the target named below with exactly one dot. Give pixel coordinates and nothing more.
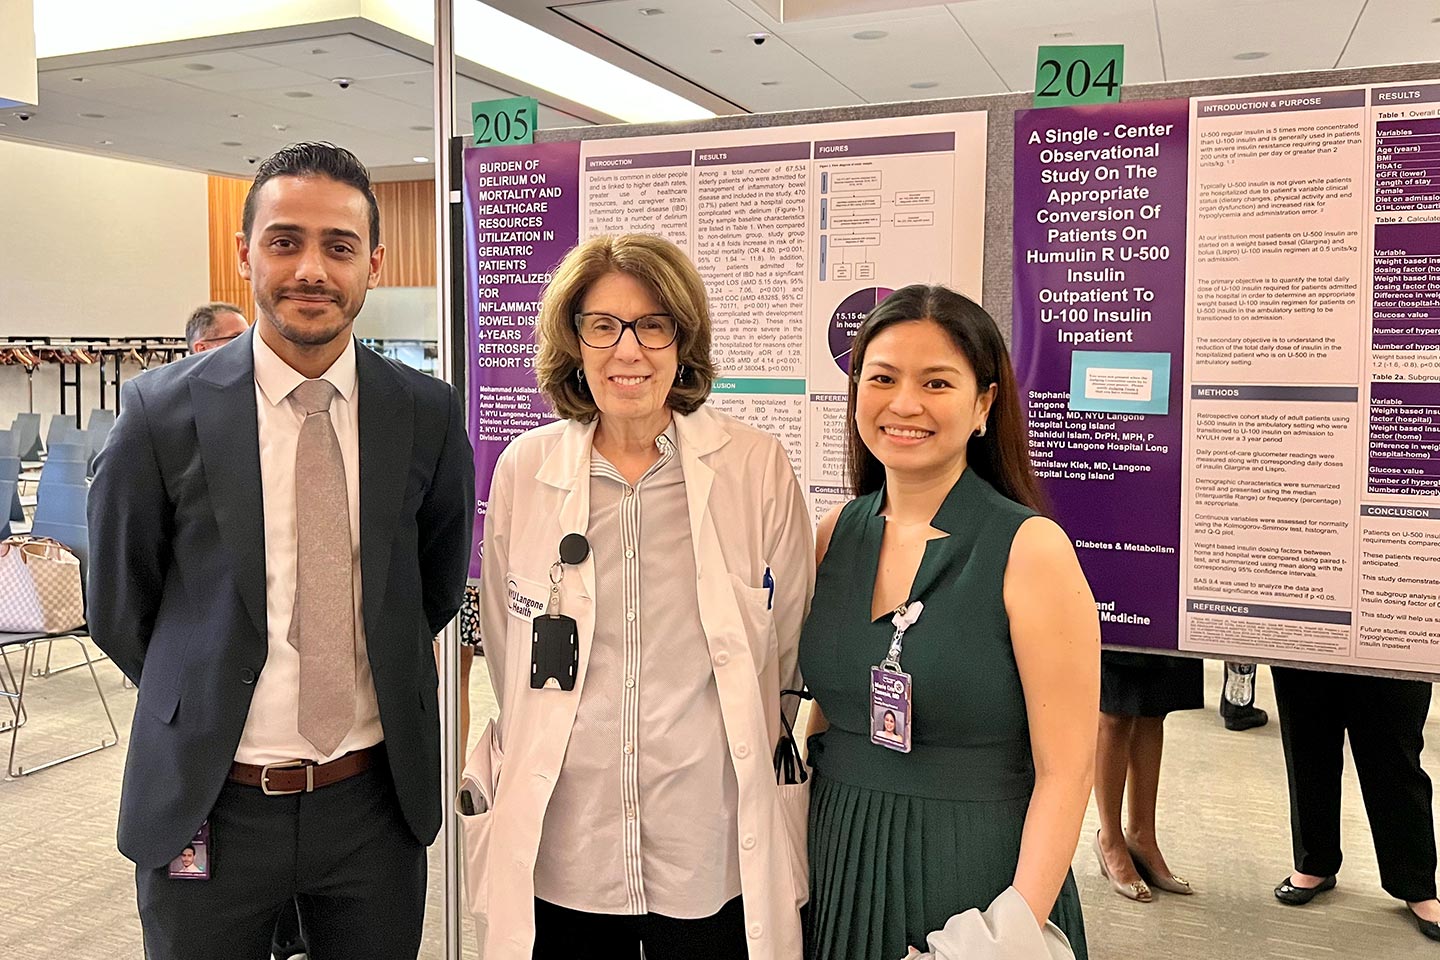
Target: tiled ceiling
(212, 111)
(249, 94)
(988, 46)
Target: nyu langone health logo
(521, 605)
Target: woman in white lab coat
(640, 805)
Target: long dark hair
(1002, 456)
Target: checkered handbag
(40, 588)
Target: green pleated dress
(901, 842)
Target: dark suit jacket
(176, 590)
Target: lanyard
(904, 618)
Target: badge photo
(193, 863)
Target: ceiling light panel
(682, 43)
(512, 47)
(925, 46)
(1201, 40)
(1009, 33)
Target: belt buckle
(309, 787)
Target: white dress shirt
(271, 734)
(643, 817)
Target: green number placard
(1067, 76)
(499, 122)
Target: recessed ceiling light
(769, 83)
(79, 79)
(104, 143)
(649, 11)
(924, 85)
(1063, 34)
(299, 94)
(280, 127)
(93, 116)
(1252, 55)
(422, 127)
(237, 116)
(318, 51)
(716, 50)
(408, 83)
(199, 67)
(421, 159)
(231, 143)
(870, 35)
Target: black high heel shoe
(1295, 896)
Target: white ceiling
(988, 46)
(211, 110)
(158, 105)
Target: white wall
(91, 246)
(98, 247)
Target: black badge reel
(554, 637)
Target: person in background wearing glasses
(214, 325)
(640, 807)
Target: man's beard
(307, 334)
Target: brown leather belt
(304, 776)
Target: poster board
(797, 231)
(997, 269)
(1230, 333)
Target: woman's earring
(580, 376)
(981, 431)
(680, 374)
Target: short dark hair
(188, 847)
(314, 160)
(1002, 456)
(198, 327)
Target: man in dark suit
(277, 532)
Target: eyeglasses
(218, 339)
(601, 331)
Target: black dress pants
(564, 934)
(342, 854)
(1385, 719)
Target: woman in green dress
(981, 782)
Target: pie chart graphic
(846, 320)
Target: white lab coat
(746, 514)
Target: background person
(1385, 721)
(297, 480)
(214, 325)
(1137, 690)
(641, 808)
(993, 792)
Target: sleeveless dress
(899, 843)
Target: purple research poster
(522, 214)
(1099, 344)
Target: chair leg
(14, 772)
(48, 671)
(10, 691)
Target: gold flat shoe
(1170, 883)
(1136, 890)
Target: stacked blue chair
(27, 425)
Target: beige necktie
(322, 627)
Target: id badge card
(195, 860)
(890, 709)
(554, 652)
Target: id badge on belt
(890, 689)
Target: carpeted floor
(67, 895)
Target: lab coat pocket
(795, 815)
(757, 619)
(481, 780)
